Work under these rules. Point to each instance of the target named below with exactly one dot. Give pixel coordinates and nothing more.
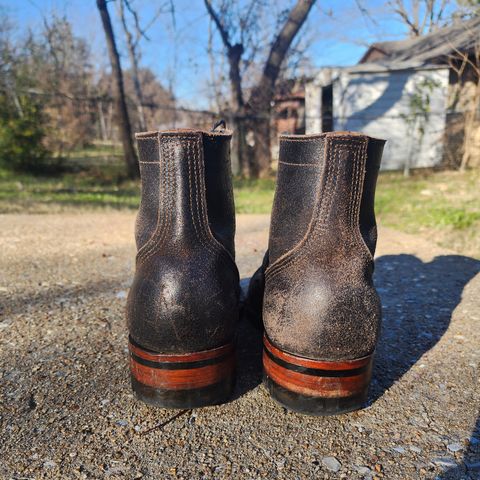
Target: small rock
(415, 449)
(49, 464)
(454, 447)
(363, 470)
(122, 423)
(331, 463)
(444, 462)
(399, 449)
(121, 294)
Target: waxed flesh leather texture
(185, 292)
(319, 300)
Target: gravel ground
(66, 410)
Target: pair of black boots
(314, 290)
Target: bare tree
(132, 47)
(133, 40)
(257, 109)
(466, 64)
(119, 93)
(62, 65)
(423, 15)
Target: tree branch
(221, 29)
(234, 54)
(280, 46)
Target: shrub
(22, 134)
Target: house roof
(431, 48)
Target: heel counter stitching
(319, 218)
(166, 196)
(327, 179)
(324, 177)
(203, 223)
(148, 245)
(196, 199)
(360, 172)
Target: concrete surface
(66, 410)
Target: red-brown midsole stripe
(181, 372)
(317, 364)
(187, 357)
(317, 378)
(316, 386)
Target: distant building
(289, 107)
(405, 91)
(288, 110)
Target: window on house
(327, 108)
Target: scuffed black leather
(219, 194)
(185, 293)
(149, 203)
(253, 304)
(295, 193)
(319, 300)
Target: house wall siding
(380, 105)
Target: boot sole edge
(182, 381)
(313, 387)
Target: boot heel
(316, 387)
(182, 381)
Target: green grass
(99, 187)
(429, 200)
(98, 150)
(104, 187)
(444, 206)
(254, 196)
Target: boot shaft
(184, 296)
(187, 194)
(319, 283)
(325, 191)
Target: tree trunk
(242, 146)
(133, 57)
(261, 99)
(119, 93)
(108, 123)
(470, 127)
(258, 108)
(260, 161)
(101, 119)
(234, 55)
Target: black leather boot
(182, 308)
(321, 312)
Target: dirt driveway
(66, 410)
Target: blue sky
(338, 35)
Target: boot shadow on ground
(249, 352)
(418, 300)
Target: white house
(399, 91)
